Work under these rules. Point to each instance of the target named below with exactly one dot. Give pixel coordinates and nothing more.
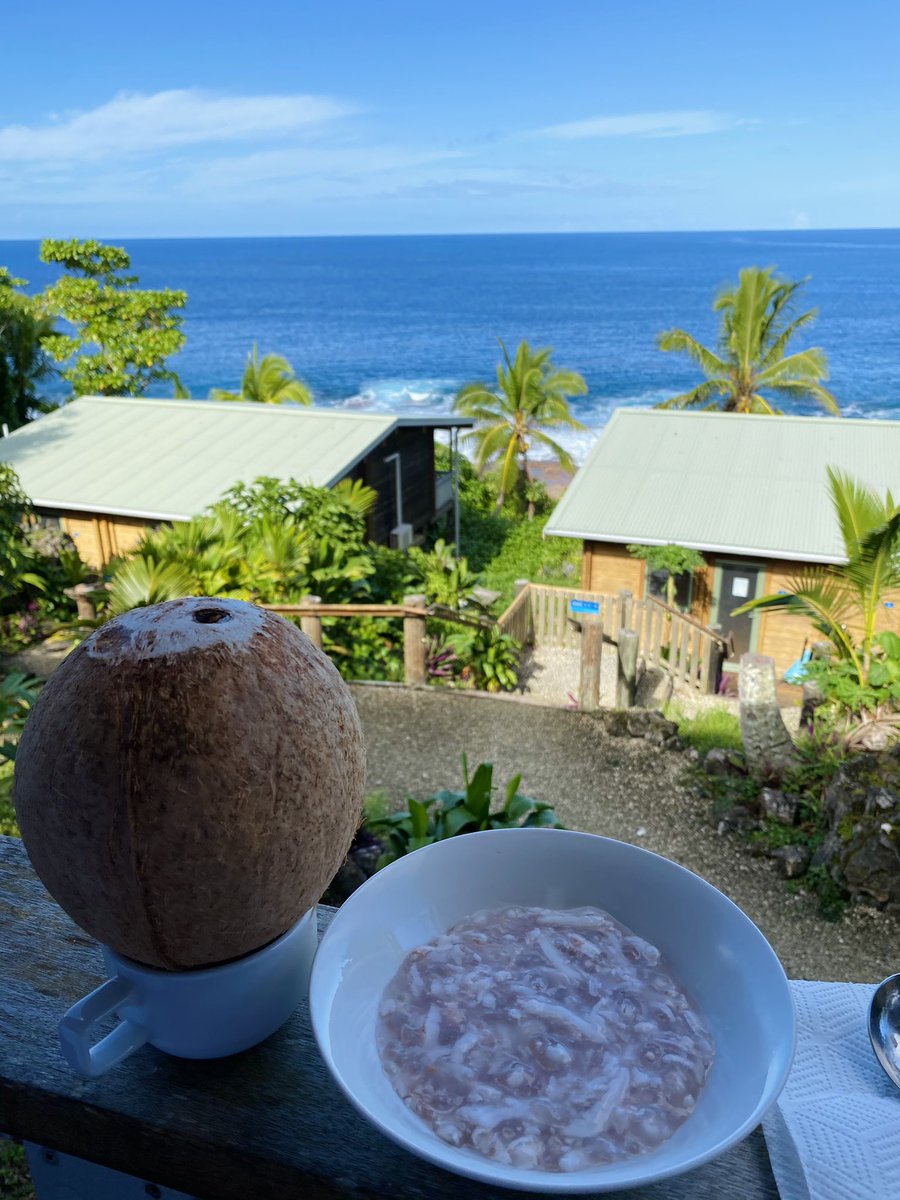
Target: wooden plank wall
(100, 537)
(417, 476)
(608, 567)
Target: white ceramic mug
(206, 1013)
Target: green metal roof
(170, 459)
(728, 482)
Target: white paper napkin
(834, 1133)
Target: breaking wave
(434, 397)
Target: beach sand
(552, 475)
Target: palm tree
(267, 380)
(833, 597)
(757, 324)
(531, 396)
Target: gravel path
(614, 786)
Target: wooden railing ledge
(268, 1124)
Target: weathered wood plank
(696, 650)
(683, 652)
(266, 1124)
(673, 629)
(706, 666)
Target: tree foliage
(267, 380)
(751, 370)
(24, 362)
(675, 560)
(531, 397)
(121, 335)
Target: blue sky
(388, 116)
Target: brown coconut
(189, 781)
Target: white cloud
(801, 220)
(304, 167)
(644, 125)
(133, 124)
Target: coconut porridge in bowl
(551, 1040)
(720, 966)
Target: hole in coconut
(211, 616)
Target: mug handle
(76, 1026)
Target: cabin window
(658, 586)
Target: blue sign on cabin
(585, 606)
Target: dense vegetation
(274, 541)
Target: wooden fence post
(312, 626)
(521, 585)
(414, 641)
(626, 675)
(591, 651)
(625, 600)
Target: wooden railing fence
(667, 638)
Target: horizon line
(248, 237)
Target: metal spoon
(884, 1026)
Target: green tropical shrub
(489, 659)
(444, 578)
(448, 814)
(18, 693)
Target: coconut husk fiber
(189, 780)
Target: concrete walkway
(614, 786)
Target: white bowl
(713, 949)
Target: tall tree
(23, 357)
(122, 334)
(751, 369)
(267, 380)
(531, 397)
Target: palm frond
(777, 346)
(679, 341)
(697, 396)
(820, 595)
(859, 510)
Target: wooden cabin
(749, 492)
(107, 468)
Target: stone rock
(654, 688)
(793, 860)
(737, 820)
(692, 754)
(775, 804)
(721, 762)
(861, 850)
(768, 746)
(648, 724)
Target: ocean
(400, 323)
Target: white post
(454, 467)
(398, 485)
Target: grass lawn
(710, 727)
